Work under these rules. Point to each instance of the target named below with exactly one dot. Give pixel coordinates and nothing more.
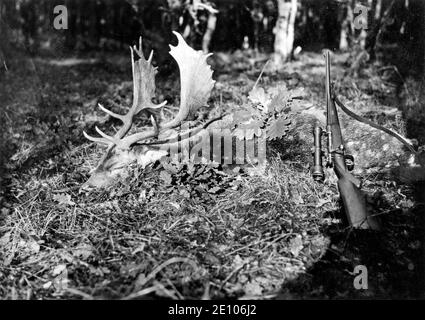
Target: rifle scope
(317, 172)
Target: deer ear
(196, 81)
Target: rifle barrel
(333, 125)
(328, 79)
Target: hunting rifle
(349, 187)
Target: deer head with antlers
(154, 141)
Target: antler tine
(175, 141)
(97, 140)
(208, 8)
(159, 106)
(112, 114)
(192, 135)
(128, 141)
(150, 57)
(107, 137)
(188, 134)
(139, 50)
(132, 59)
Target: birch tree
(346, 27)
(284, 31)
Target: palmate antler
(196, 85)
(143, 91)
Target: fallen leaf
(58, 269)
(258, 96)
(83, 251)
(47, 285)
(253, 288)
(214, 190)
(166, 177)
(185, 193)
(296, 245)
(238, 262)
(63, 199)
(29, 246)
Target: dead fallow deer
(154, 142)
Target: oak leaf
(258, 96)
(278, 128)
(64, 199)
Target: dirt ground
(203, 232)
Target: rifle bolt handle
(349, 162)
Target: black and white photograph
(222, 150)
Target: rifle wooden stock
(352, 197)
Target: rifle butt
(355, 206)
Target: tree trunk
(284, 31)
(376, 12)
(346, 28)
(364, 33)
(211, 25)
(6, 10)
(3, 36)
(422, 48)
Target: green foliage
(267, 113)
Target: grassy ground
(208, 232)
